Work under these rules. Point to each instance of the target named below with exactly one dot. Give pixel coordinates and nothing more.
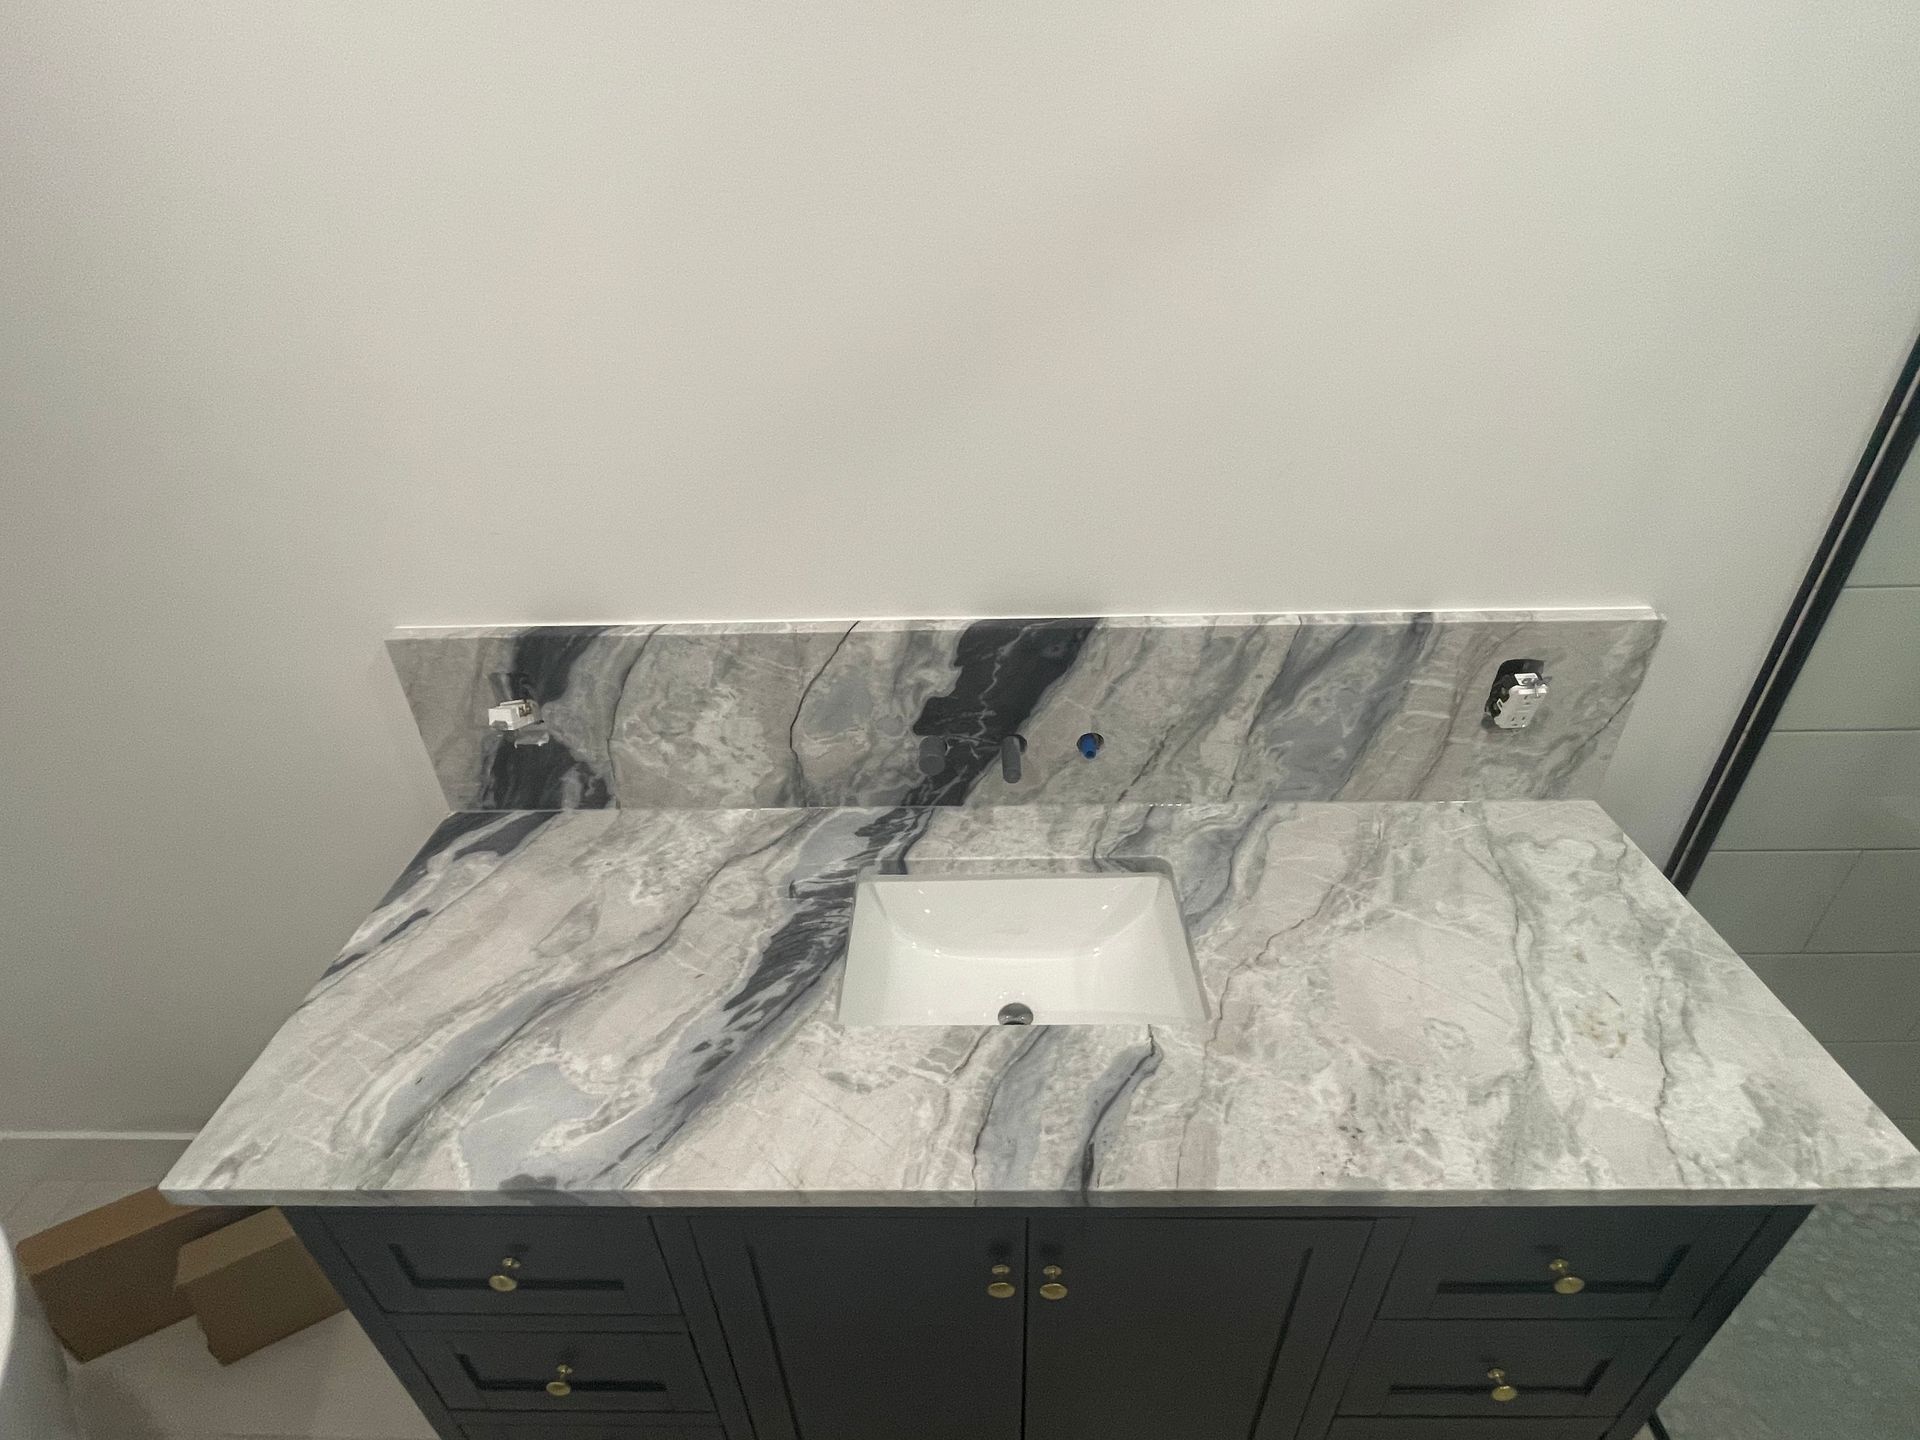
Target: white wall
(321, 318)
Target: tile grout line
(1832, 900)
(1816, 850)
(1897, 727)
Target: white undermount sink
(1099, 949)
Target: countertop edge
(1027, 1200)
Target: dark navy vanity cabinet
(991, 1327)
(1564, 1323)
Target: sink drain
(1015, 1014)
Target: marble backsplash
(1367, 706)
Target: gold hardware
(504, 1283)
(1502, 1391)
(1568, 1283)
(559, 1388)
(1052, 1272)
(1053, 1290)
(1002, 1289)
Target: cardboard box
(251, 1284)
(106, 1278)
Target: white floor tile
(1822, 1347)
(46, 1204)
(44, 1181)
(93, 1157)
(19, 1173)
(52, 1201)
(326, 1382)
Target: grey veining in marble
(1481, 1002)
(1374, 706)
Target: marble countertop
(1410, 1003)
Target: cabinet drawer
(1504, 1264)
(1423, 1428)
(434, 1263)
(497, 1369)
(1439, 1367)
(610, 1427)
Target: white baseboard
(181, 1135)
(30, 1156)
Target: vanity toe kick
(653, 1427)
(1400, 1428)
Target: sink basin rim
(1085, 947)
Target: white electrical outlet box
(513, 715)
(1516, 699)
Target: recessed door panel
(875, 1327)
(1205, 1329)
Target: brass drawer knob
(558, 1386)
(504, 1281)
(1565, 1282)
(1002, 1289)
(1502, 1391)
(1053, 1289)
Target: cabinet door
(872, 1327)
(1199, 1328)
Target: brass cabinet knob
(1053, 1289)
(1565, 1281)
(1052, 1272)
(504, 1281)
(558, 1386)
(1002, 1289)
(1502, 1391)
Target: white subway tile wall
(1769, 900)
(1877, 909)
(1892, 553)
(1830, 790)
(1861, 674)
(1888, 1070)
(1848, 997)
(1815, 876)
